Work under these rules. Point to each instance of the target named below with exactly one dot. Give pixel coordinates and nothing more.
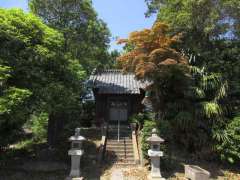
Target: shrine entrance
(118, 111)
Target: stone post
(154, 153)
(76, 153)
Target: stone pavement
(117, 174)
(128, 173)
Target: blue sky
(121, 16)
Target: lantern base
(155, 178)
(76, 178)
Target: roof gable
(114, 81)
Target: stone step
(119, 152)
(120, 158)
(119, 143)
(121, 130)
(121, 134)
(126, 143)
(123, 160)
(120, 149)
(121, 127)
(119, 146)
(129, 149)
(125, 164)
(115, 137)
(120, 155)
(120, 140)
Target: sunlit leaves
(35, 73)
(211, 110)
(4, 73)
(211, 81)
(12, 98)
(229, 140)
(86, 37)
(220, 135)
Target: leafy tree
(210, 32)
(191, 99)
(113, 55)
(86, 37)
(153, 59)
(229, 146)
(199, 19)
(34, 53)
(202, 109)
(13, 109)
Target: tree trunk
(51, 130)
(55, 127)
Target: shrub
(39, 126)
(229, 148)
(88, 114)
(13, 112)
(146, 132)
(140, 118)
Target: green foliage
(202, 19)
(88, 114)
(11, 99)
(139, 118)
(13, 113)
(229, 147)
(211, 109)
(34, 56)
(4, 74)
(12, 107)
(39, 126)
(86, 37)
(194, 116)
(210, 31)
(210, 39)
(136, 118)
(146, 132)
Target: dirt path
(125, 173)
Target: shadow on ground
(36, 161)
(173, 167)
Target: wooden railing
(135, 145)
(102, 147)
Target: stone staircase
(120, 152)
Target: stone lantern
(154, 153)
(76, 153)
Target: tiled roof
(115, 82)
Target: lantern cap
(77, 136)
(155, 137)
